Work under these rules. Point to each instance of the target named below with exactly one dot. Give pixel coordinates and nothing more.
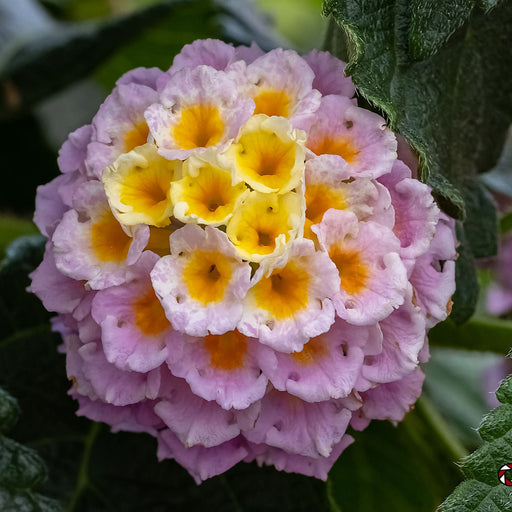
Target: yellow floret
(149, 314)
(206, 194)
(313, 351)
(138, 187)
(227, 351)
(263, 223)
(269, 154)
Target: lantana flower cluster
(241, 265)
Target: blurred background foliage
(58, 61)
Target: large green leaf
(401, 468)
(442, 74)
(482, 491)
(35, 66)
(92, 470)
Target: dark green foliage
(21, 468)
(465, 297)
(9, 411)
(194, 19)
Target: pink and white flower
(240, 265)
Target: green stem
(330, 498)
(82, 480)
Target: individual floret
(202, 282)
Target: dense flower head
(241, 264)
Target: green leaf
(481, 235)
(92, 469)
(481, 333)
(21, 468)
(442, 74)
(59, 55)
(482, 491)
(399, 468)
(434, 21)
(25, 501)
(445, 15)
(474, 496)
